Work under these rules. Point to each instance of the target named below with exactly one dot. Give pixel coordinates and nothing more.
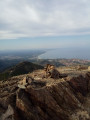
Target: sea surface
(68, 53)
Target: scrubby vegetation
(19, 69)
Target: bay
(68, 53)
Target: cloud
(32, 18)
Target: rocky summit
(41, 95)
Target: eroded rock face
(46, 99)
(80, 84)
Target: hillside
(19, 69)
(45, 98)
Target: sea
(67, 53)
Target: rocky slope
(45, 98)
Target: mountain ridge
(46, 98)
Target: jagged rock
(54, 74)
(80, 84)
(80, 115)
(23, 83)
(21, 86)
(38, 83)
(47, 99)
(9, 113)
(29, 80)
(57, 102)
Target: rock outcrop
(80, 67)
(8, 115)
(51, 72)
(45, 98)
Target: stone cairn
(51, 72)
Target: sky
(37, 24)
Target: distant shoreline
(66, 53)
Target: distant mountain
(5, 64)
(19, 69)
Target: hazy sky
(26, 24)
